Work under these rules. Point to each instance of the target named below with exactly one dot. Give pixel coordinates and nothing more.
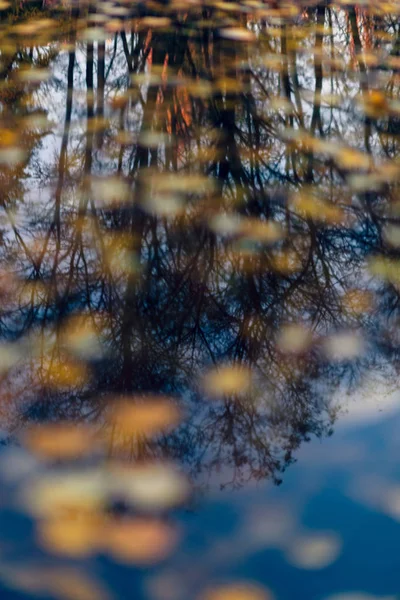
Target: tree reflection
(203, 191)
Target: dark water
(199, 285)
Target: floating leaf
(348, 158)
(391, 234)
(312, 207)
(81, 338)
(61, 583)
(166, 205)
(151, 486)
(10, 355)
(358, 302)
(267, 232)
(155, 22)
(64, 373)
(154, 139)
(110, 191)
(385, 268)
(238, 34)
(59, 494)
(34, 75)
(75, 535)
(225, 224)
(147, 415)
(294, 338)
(286, 262)
(345, 345)
(56, 441)
(94, 34)
(315, 551)
(238, 591)
(11, 157)
(227, 380)
(139, 541)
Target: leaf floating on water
(200, 89)
(11, 157)
(391, 502)
(64, 373)
(225, 224)
(154, 139)
(361, 183)
(139, 541)
(55, 441)
(316, 551)
(184, 183)
(151, 486)
(282, 104)
(69, 585)
(385, 268)
(349, 158)
(286, 262)
(81, 338)
(94, 34)
(75, 535)
(10, 355)
(266, 232)
(58, 494)
(147, 415)
(238, 591)
(294, 338)
(358, 302)
(110, 191)
(345, 345)
(146, 79)
(61, 583)
(238, 34)
(227, 380)
(166, 205)
(155, 22)
(34, 75)
(312, 207)
(391, 234)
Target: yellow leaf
(150, 486)
(314, 551)
(227, 380)
(56, 495)
(311, 207)
(294, 338)
(237, 591)
(348, 158)
(110, 191)
(147, 415)
(261, 231)
(75, 535)
(286, 262)
(59, 440)
(358, 302)
(64, 373)
(155, 22)
(80, 336)
(385, 268)
(238, 34)
(346, 345)
(139, 541)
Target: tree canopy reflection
(188, 187)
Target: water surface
(199, 281)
